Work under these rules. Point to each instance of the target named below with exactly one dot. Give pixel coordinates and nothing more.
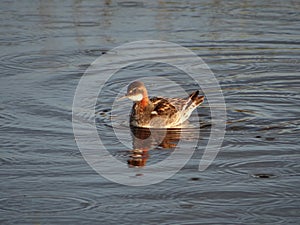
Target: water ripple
(44, 204)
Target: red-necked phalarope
(158, 111)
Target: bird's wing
(164, 106)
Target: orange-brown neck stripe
(144, 102)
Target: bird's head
(136, 91)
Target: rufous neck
(145, 101)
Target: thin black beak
(122, 98)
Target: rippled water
(253, 49)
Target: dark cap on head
(135, 85)
(136, 91)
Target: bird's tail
(196, 99)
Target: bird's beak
(122, 98)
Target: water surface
(253, 49)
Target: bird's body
(159, 112)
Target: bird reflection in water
(145, 139)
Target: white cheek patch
(136, 98)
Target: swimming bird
(159, 112)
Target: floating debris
(263, 175)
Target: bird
(159, 112)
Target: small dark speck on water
(195, 178)
(263, 175)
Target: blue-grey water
(253, 49)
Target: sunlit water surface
(253, 49)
